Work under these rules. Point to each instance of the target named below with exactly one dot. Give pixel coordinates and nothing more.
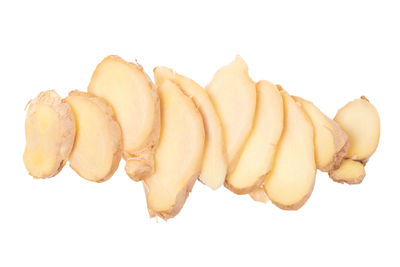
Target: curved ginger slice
(179, 154)
(291, 180)
(214, 166)
(350, 171)
(330, 140)
(50, 134)
(233, 94)
(97, 150)
(259, 195)
(258, 153)
(132, 95)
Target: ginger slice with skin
(179, 154)
(259, 195)
(214, 166)
(350, 172)
(330, 141)
(233, 94)
(50, 134)
(258, 152)
(291, 180)
(133, 96)
(98, 143)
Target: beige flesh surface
(50, 134)
(97, 150)
(133, 97)
(214, 166)
(257, 156)
(178, 156)
(233, 94)
(350, 172)
(259, 195)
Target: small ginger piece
(233, 94)
(350, 172)
(258, 153)
(259, 195)
(50, 134)
(179, 154)
(214, 166)
(330, 141)
(133, 97)
(97, 150)
(291, 179)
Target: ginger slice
(132, 95)
(259, 195)
(330, 141)
(179, 154)
(350, 172)
(50, 134)
(291, 180)
(214, 166)
(233, 94)
(258, 153)
(97, 150)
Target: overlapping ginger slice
(233, 94)
(291, 179)
(132, 95)
(214, 166)
(257, 156)
(50, 134)
(350, 171)
(98, 143)
(179, 154)
(330, 141)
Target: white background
(329, 53)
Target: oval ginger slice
(350, 172)
(50, 134)
(214, 166)
(179, 154)
(97, 150)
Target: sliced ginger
(132, 95)
(50, 134)
(258, 153)
(233, 94)
(350, 171)
(214, 166)
(179, 155)
(291, 180)
(259, 195)
(330, 140)
(97, 150)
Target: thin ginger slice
(132, 95)
(50, 134)
(291, 180)
(259, 195)
(350, 172)
(330, 141)
(233, 94)
(97, 150)
(179, 154)
(257, 156)
(214, 166)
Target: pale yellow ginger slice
(214, 166)
(291, 180)
(50, 134)
(350, 172)
(330, 141)
(259, 195)
(179, 154)
(132, 95)
(233, 94)
(98, 142)
(257, 156)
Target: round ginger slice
(50, 134)
(97, 150)
(350, 172)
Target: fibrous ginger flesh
(258, 153)
(350, 171)
(133, 97)
(214, 166)
(97, 150)
(291, 180)
(233, 94)
(50, 133)
(179, 154)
